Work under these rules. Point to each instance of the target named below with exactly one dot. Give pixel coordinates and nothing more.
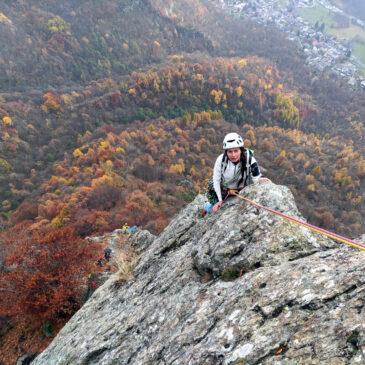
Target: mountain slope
(241, 286)
(68, 43)
(114, 111)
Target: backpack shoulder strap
(249, 155)
(224, 163)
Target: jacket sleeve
(217, 175)
(255, 170)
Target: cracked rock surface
(238, 287)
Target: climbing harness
(334, 236)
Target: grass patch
(332, 21)
(348, 33)
(318, 14)
(358, 49)
(230, 274)
(125, 267)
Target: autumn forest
(106, 119)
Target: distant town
(323, 51)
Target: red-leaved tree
(44, 272)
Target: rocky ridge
(238, 287)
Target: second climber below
(233, 170)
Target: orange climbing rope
(334, 236)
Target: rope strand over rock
(332, 235)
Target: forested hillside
(70, 42)
(37, 133)
(114, 113)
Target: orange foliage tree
(51, 102)
(46, 269)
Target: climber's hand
(264, 180)
(217, 206)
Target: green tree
(58, 25)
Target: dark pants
(212, 195)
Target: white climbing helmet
(232, 140)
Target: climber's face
(234, 154)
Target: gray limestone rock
(141, 240)
(241, 286)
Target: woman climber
(233, 170)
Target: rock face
(238, 287)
